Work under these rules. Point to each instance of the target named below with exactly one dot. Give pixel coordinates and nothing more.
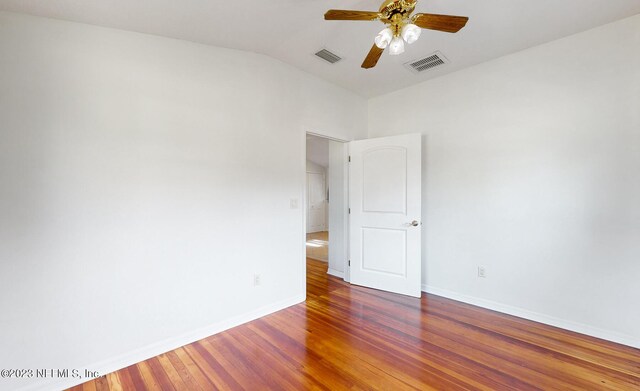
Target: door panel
(384, 251)
(385, 199)
(384, 179)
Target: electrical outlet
(482, 272)
(256, 280)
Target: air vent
(429, 62)
(328, 56)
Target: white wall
(318, 150)
(338, 201)
(532, 169)
(317, 169)
(143, 181)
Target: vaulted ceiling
(293, 30)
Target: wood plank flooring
(351, 338)
(318, 246)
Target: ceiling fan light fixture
(396, 46)
(401, 25)
(410, 33)
(384, 38)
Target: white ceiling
(292, 30)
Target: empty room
(323, 195)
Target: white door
(316, 202)
(385, 213)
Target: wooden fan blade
(350, 15)
(372, 57)
(446, 23)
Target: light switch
(293, 203)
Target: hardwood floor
(318, 246)
(346, 337)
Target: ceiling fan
(400, 27)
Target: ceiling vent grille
(429, 62)
(328, 56)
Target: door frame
(345, 212)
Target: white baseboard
(335, 273)
(123, 361)
(127, 359)
(535, 316)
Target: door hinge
(349, 159)
(349, 210)
(349, 262)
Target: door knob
(415, 223)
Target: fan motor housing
(392, 7)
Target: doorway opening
(368, 199)
(317, 199)
(326, 205)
